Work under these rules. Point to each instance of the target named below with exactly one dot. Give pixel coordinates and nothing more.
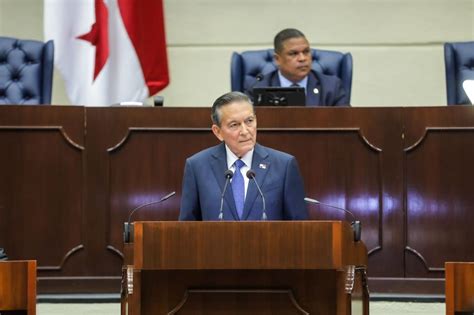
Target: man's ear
(216, 130)
(276, 57)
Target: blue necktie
(238, 187)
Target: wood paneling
(41, 186)
(71, 175)
(438, 155)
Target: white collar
(231, 157)
(284, 82)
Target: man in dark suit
(277, 173)
(293, 59)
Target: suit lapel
(313, 99)
(260, 165)
(275, 80)
(219, 166)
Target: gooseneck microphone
(314, 201)
(258, 78)
(228, 175)
(356, 225)
(251, 175)
(128, 229)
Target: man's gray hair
(226, 99)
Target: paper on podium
(131, 103)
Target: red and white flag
(108, 51)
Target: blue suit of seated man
(293, 59)
(277, 173)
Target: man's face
(294, 61)
(238, 127)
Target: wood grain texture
(405, 173)
(18, 286)
(278, 267)
(459, 288)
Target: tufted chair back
(247, 65)
(26, 71)
(459, 66)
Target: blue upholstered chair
(247, 65)
(459, 66)
(26, 71)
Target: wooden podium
(459, 287)
(273, 267)
(18, 287)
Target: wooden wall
(70, 175)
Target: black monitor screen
(279, 96)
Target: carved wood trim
(187, 294)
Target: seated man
(293, 59)
(277, 173)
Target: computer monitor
(279, 96)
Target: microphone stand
(355, 224)
(128, 227)
(251, 175)
(228, 175)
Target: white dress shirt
(284, 82)
(247, 159)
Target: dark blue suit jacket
(331, 91)
(277, 174)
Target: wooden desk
(18, 287)
(459, 288)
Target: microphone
(228, 175)
(258, 78)
(355, 224)
(128, 228)
(251, 175)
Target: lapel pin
(263, 166)
(315, 91)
